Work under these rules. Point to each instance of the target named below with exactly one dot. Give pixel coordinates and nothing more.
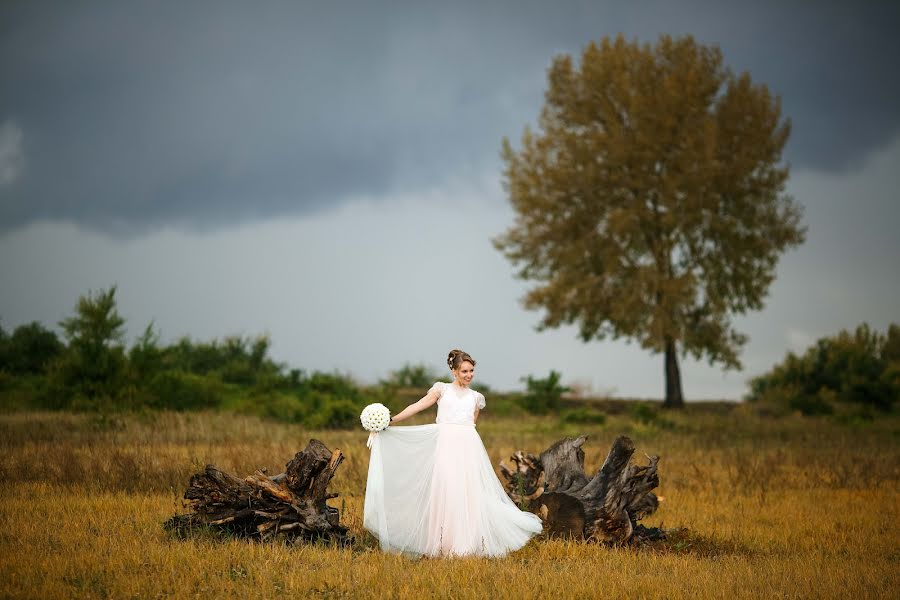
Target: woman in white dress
(431, 489)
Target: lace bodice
(456, 405)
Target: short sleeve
(437, 387)
(479, 400)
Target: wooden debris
(604, 508)
(291, 505)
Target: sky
(328, 174)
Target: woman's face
(464, 373)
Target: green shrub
(287, 408)
(177, 390)
(543, 395)
(583, 416)
(319, 401)
(145, 358)
(649, 414)
(338, 385)
(643, 412)
(329, 412)
(239, 372)
(4, 350)
(235, 359)
(84, 383)
(860, 368)
(19, 392)
(29, 350)
(820, 403)
(481, 386)
(504, 405)
(412, 376)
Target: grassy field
(759, 507)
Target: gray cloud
(369, 286)
(140, 115)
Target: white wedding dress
(431, 489)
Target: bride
(431, 489)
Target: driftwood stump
(292, 504)
(605, 508)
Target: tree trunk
(604, 508)
(292, 504)
(674, 399)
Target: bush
(29, 350)
(319, 401)
(543, 395)
(860, 368)
(238, 372)
(287, 408)
(177, 390)
(584, 416)
(820, 403)
(412, 376)
(83, 382)
(481, 386)
(643, 413)
(235, 359)
(504, 405)
(145, 359)
(19, 392)
(328, 412)
(649, 415)
(331, 384)
(4, 350)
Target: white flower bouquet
(375, 417)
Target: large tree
(651, 205)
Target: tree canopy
(651, 204)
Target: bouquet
(375, 417)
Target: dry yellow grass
(773, 508)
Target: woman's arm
(416, 407)
(479, 404)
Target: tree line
(92, 369)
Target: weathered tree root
(604, 508)
(291, 505)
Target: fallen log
(604, 508)
(291, 505)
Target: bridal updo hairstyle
(457, 357)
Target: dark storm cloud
(833, 64)
(123, 116)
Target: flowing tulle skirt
(432, 491)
